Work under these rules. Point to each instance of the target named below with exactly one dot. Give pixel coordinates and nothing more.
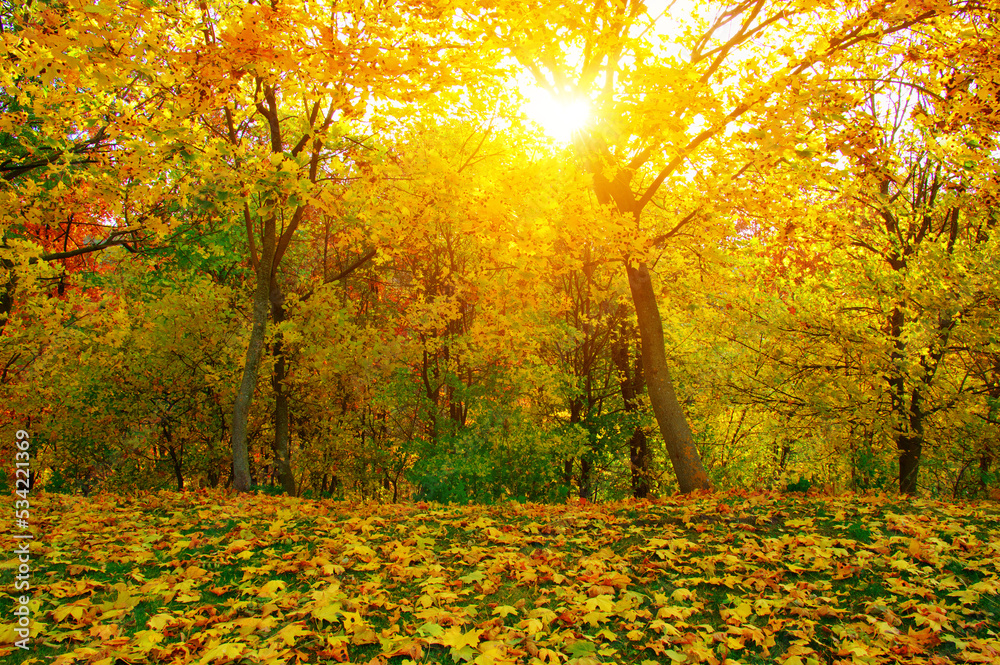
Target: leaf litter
(209, 577)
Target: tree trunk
(909, 462)
(282, 452)
(631, 383)
(568, 472)
(670, 417)
(7, 292)
(242, 481)
(909, 445)
(639, 456)
(174, 458)
(684, 457)
(910, 435)
(586, 478)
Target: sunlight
(558, 118)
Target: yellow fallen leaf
(146, 640)
(194, 572)
(454, 637)
(292, 631)
(230, 650)
(271, 589)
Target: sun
(558, 117)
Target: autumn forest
(475, 251)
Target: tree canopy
(321, 247)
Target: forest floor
(207, 577)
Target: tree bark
(282, 452)
(242, 481)
(909, 445)
(909, 448)
(690, 472)
(586, 478)
(7, 292)
(174, 458)
(631, 384)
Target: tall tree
(666, 105)
(272, 83)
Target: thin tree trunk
(7, 291)
(282, 452)
(174, 459)
(586, 478)
(690, 472)
(242, 481)
(630, 384)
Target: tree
(270, 84)
(666, 108)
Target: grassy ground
(726, 578)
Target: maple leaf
(271, 589)
(290, 632)
(224, 651)
(454, 637)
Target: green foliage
(494, 462)
(871, 471)
(801, 484)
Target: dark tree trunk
(688, 468)
(568, 472)
(575, 417)
(910, 445)
(175, 459)
(909, 462)
(178, 474)
(670, 416)
(7, 293)
(631, 384)
(639, 458)
(586, 478)
(282, 450)
(908, 410)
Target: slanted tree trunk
(688, 469)
(175, 459)
(242, 482)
